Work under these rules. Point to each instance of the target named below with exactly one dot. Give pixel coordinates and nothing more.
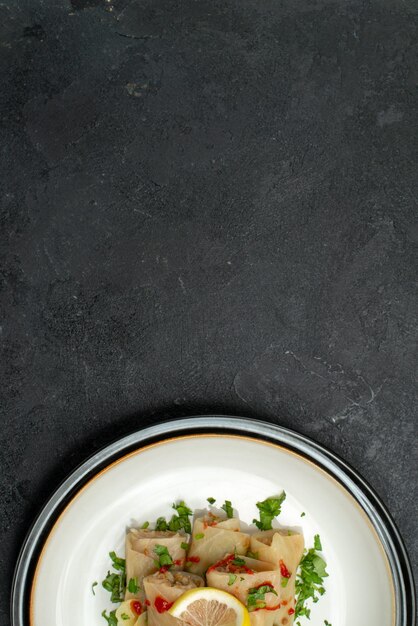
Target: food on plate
(146, 551)
(255, 583)
(131, 613)
(162, 590)
(212, 572)
(212, 538)
(285, 550)
(210, 606)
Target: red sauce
(147, 602)
(136, 607)
(266, 584)
(283, 570)
(239, 569)
(228, 564)
(284, 602)
(194, 559)
(291, 611)
(222, 563)
(178, 562)
(164, 569)
(206, 524)
(162, 605)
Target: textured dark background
(206, 206)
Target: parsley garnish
(177, 522)
(303, 514)
(199, 536)
(284, 581)
(118, 563)
(227, 507)
(125, 616)
(269, 509)
(327, 623)
(184, 545)
(164, 558)
(145, 525)
(93, 586)
(238, 561)
(161, 524)
(133, 586)
(257, 595)
(309, 581)
(111, 618)
(115, 583)
(211, 500)
(232, 579)
(182, 518)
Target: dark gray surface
(206, 206)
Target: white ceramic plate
(363, 585)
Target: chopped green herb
(182, 509)
(177, 522)
(188, 564)
(289, 533)
(227, 507)
(111, 618)
(241, 578)
(257, 595)
(181, 520)
(211, 500)
(269, 509)
(161, 524)
(309, 581)
(232, 579)
(327, 623)
(124, 616)
(145, 525)
(184, 545)
(93, 586)
(303, 514)
(199, 536)
(133, 586)
(284, 581)
(164, 558)
(238, 561)
(115, 585)
(117, 562)
(252, 555)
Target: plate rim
(365, 496)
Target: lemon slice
(210, 607)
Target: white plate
(142, 484)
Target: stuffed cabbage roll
(212, 538)
(147, 551)
(255, 583)
(162, 590)
(131, 613)
(285, 551)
